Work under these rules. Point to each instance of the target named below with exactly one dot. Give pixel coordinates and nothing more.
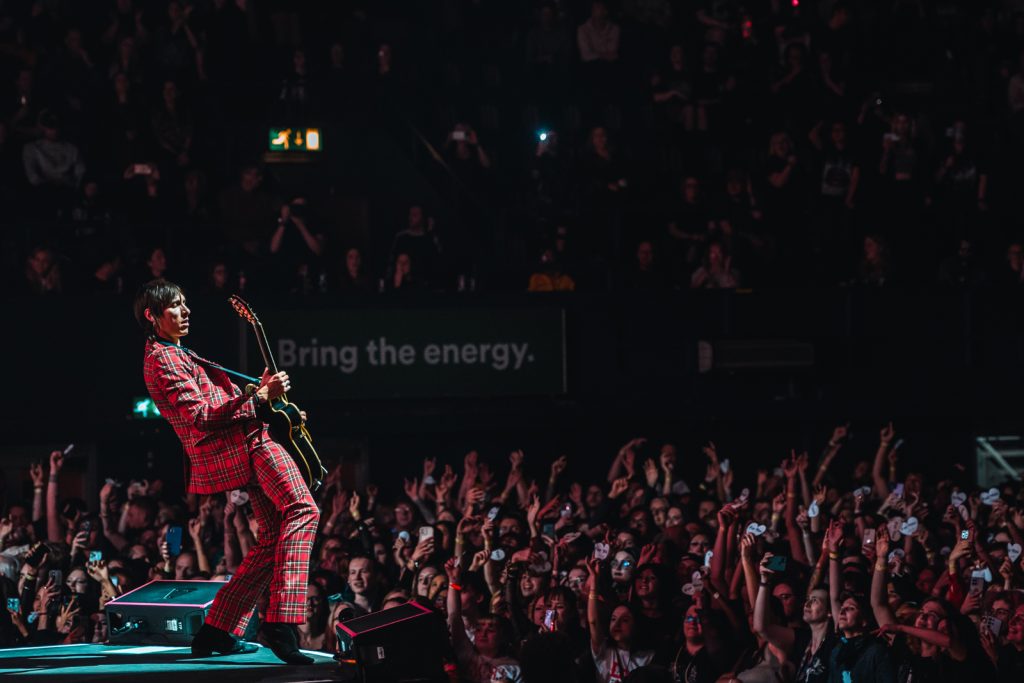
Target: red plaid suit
(227, 448)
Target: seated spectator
(420, 242)
(550, 278)
(598, 37)
(352, 277)
(42, 273)
(716, 271)
(172, 126)
(247, 211)
(644, 273)
(52, 161)
(874, 269)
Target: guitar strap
(209, 363)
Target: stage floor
(158, 664)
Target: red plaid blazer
(215, 421)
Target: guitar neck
(261, 338)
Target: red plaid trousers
(287, 517)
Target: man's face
(359, 575)
(674, 517)
(184, 566)
(173, 323)
(693, 624)
(594, 496)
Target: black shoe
(211, 639)
(280, 638)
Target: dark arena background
(692, 329)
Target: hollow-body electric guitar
(283, 419)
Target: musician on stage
(228, 447)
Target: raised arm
(781, 637)
(831, 450)
(54, 532)
(598, 632)
(879, 599)
(877, 470)
(835, 538)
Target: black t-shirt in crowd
(812, 667)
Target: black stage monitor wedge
(402, 644)
(160, 612)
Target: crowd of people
(672, 567)
(650, 144)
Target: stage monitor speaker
(405, 643)
(160, 612)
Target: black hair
(155, 296)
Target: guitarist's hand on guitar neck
(272, 386)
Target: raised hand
(353, 506)
(56, 462)
(629, 462)
(453, 570)
(428, 467)
(839, 433)
(647, 554)
(667, 461)
(469, 464)
(788, 465)
(35, 470)
(765, 572)
(619, 487)
(834, 535)
(98, 571)
(711, 451)
(195, 530)
(516, 458)
(479, 560)
(882, 543)
(747, 543)
(650, 472)
(886, 434)
(411, 488)
(820, 493)
(802, 461)
(423, 550)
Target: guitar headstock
(243, 309)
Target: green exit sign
(295, 140)
(144, 409)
